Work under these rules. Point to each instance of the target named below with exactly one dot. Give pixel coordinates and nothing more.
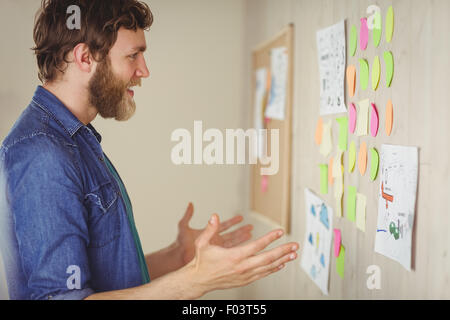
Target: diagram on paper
(317, 244)
(396, 204)
(331, 56)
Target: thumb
(187, 215)
(211, 229)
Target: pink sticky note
(267, 120)
(351, 118)
(374, 121)
(264, 183)
(363, 34)
(337, 242)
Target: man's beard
(108, 94)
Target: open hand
(187, 236)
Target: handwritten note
(332, 57)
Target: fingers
(187, 215)
(238, 236)
(230, 222)
(273, 258)
(255, 246)
(212, 228)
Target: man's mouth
(130, 88)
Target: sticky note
(330, 171)
(352, 118)
(340, 262)
(376, 69)
(389, 65)
(363, 118)
(319, 130)
(326, 145)
(353, 40)
(389, 24)
(337, 165)
(343, 133)
(337, 242)
(363, 74)
(361, 211)
(363, 34)
(340, 183)
(389, 117)
(362, 158)
(351, 203)
(374, 121)
(323, 178)
(264, 183)
(376, 31)
(374, 162)
(351, 80)
(351, 156)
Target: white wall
(195, 59)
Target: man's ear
(82, 58)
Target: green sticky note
(374, 160)
(363, 73)
(389, 24)
(376, 32)
(323, 178)
(351, 203)
(351, 156)
(376, 69)
(353, 40)
(389, 63)
(340, 262)
(343, 133)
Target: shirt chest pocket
(104, 215)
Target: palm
(187, 235)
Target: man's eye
(133, 56)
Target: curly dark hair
(100, 22)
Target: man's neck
(75, 99)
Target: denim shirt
(64, 230)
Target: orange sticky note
(362, 158)
(351, 80)
(319, 130)
(389, 117)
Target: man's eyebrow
(139, 48)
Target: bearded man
(66, 221)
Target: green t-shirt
(137, 241)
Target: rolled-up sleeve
(50, 219)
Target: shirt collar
(54, 107)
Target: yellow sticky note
(389, 24)
(351, 203)
(361, 211)
(376, 69)
(326, 145)
(362, 118)
(323, 178)
(340, 262)
(338, 193)
(351, 156)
